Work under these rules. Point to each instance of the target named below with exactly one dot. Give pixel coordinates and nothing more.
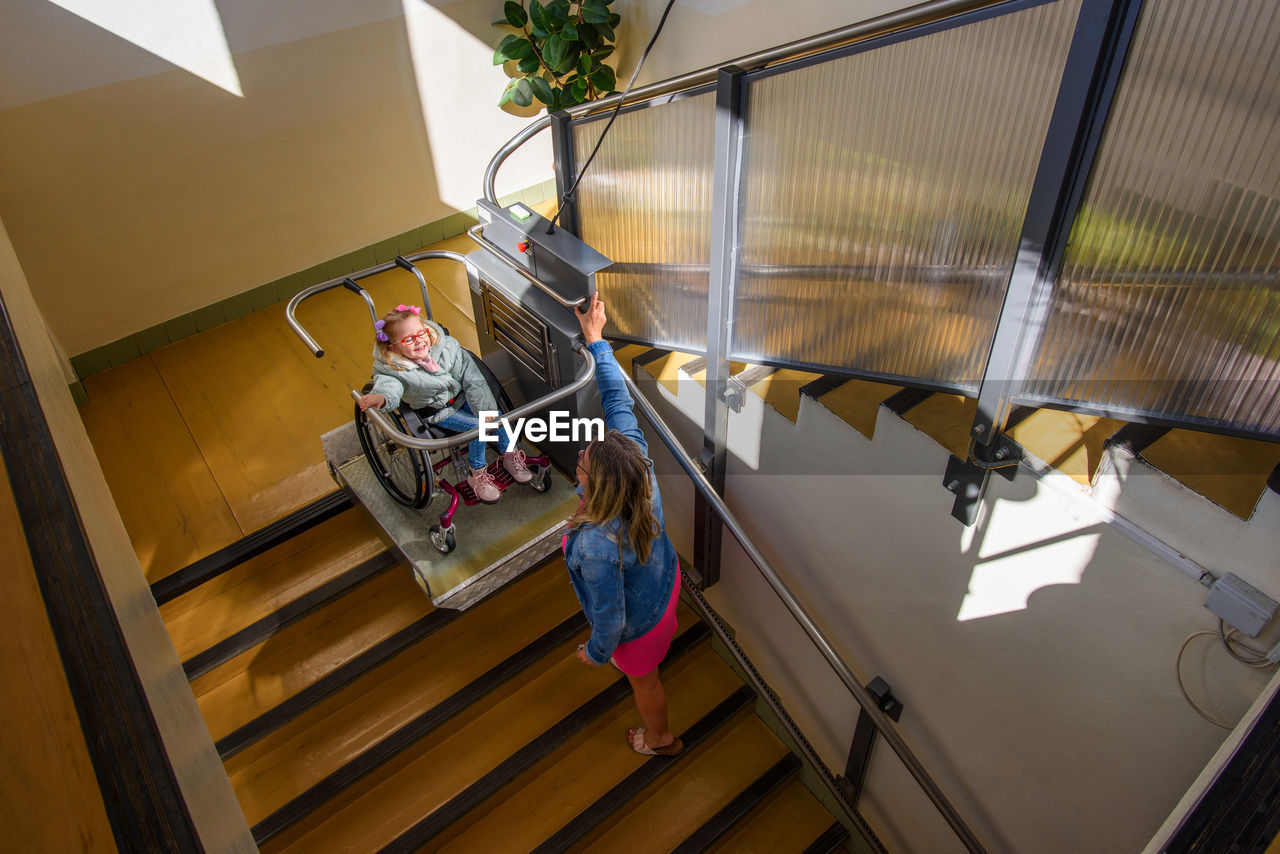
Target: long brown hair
(619, 486)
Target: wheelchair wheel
(443, 540)
(400, 470)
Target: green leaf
(507, 93)
(614, 20)
(567, 64)
(538, 14)
(558, 11)
(602, 54)
(515, 14)
(523, 93)
(594, 12)
(602, 78)
(585, 63)
(570, 30)
(605, 31)
(541, 90)
(589, 37)
(503, 51)
(523, 50)
(553, 51)
(580, 88)
(528, 65)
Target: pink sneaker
(481, 483)
(513, 462)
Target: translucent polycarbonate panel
(884, 195)
(1168, 302)
(645, 202)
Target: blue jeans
(462, 421)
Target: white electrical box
(1240, 605)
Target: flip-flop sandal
(635, 738)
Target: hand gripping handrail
(350, 283)
(860, 693)
(476, 233)
(792, 50)
(384, 424)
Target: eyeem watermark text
(558, 428)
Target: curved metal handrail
(404, 262)
(476, 233)
(751, 62)
(865, 699)
(383, 423)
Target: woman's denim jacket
(620, 606)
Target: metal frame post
(565, 169)
(864, 738)
(1095, 60)
(726, 210)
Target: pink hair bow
(410, 308)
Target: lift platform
(525, 284)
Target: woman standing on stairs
(621, 564)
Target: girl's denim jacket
(620, 605)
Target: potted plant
(559, 49)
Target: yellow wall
(196, 765)
(52, 802)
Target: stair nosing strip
(526, 757)
(288, 614)
(600, 809)
(414, 731)
(829, 840)
(740, 806)
(816, 388)
(904, 400)
(263, 540)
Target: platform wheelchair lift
(525, 284)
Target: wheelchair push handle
(585, 375)
(351, 283)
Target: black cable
(568, 194)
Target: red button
(523, 246)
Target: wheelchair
(414, 479)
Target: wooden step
(253, 682)
(1069, 442)
(287, 614)
(271, 544)
(789, 820)
(706, 780)
(1229, 471)
(551, 795)
(857, 403)
(241, 596)
(459, 762)
(330, 745)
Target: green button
(519, 212)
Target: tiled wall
(131, 346)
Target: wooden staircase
(352, 716)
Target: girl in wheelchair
(415, 361)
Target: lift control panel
(558, 259)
